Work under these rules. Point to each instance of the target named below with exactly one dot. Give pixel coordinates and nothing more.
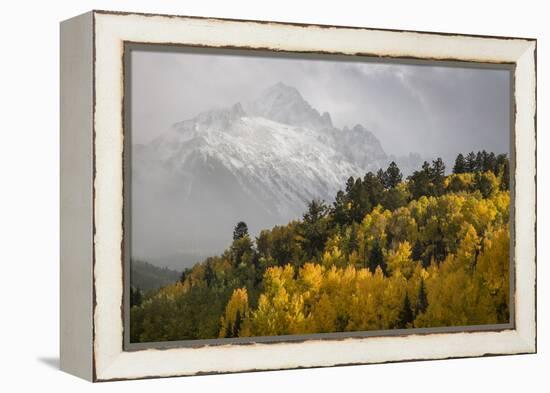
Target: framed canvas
(246, 195)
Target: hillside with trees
(148, 277)
(430, 250)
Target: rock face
(258, 162)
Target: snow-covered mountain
(260, 161)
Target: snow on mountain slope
(260, 162)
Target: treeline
(430, 250)
(148, 277)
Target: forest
(429, 250)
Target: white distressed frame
(111, 30)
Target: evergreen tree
(376, 258)
(422, 301)
(479, 162)
(420, 182)
(228, 331)
(505, 182)
(380, 175)
(491, 163)
(374, 188)
(358, 199)
(483, 184)
(417, 251)
(392, 176)
(340, 213)
(237, 324)
(352, 243)
(471, 162)
(314, 228)
(349, 184)
(406, 316)
(240, 231)
(240, 248)
(438, 176)
(460, 164)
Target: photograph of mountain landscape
(293, 195)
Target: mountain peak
(283, 91)
(285, 104)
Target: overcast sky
(434, 111)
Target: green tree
(471, 162)
(240, 231)
(376, 259)
(420, 182)
(314, 228)
(242, 250)
(460, 164)
(392, 176)
(374, 187)
(406, 316)
(437, 177)
(505, 176)
(479, 161)
(422, 299)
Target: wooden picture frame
(94, 298)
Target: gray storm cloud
(431, 110)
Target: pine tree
(237, 324)
(420, 182)
(491, 161)
(374, 188)
(314, 228)
(460, 164)
(376, 258)
(505, 182)
(340, 214)
(422, 301)
(438, 176)
(228, 331)
(417, 251)
(479, 161)
(380, 175)
(392, 177)
(406, 316)
(471, 162)
(240, 231)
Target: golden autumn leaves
(439, 260)
(322, 299)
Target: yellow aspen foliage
(468, 249)
(278, 314)
(374, 225)
(501, 200)
(446, 294)
(311, 277)
(279, 277)
(333, 257)
(236, 312)
(492, 269)
(402, 226)
(442, 259)
(323, 316)
(172, 291)
(399, 260)
(479, 212)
